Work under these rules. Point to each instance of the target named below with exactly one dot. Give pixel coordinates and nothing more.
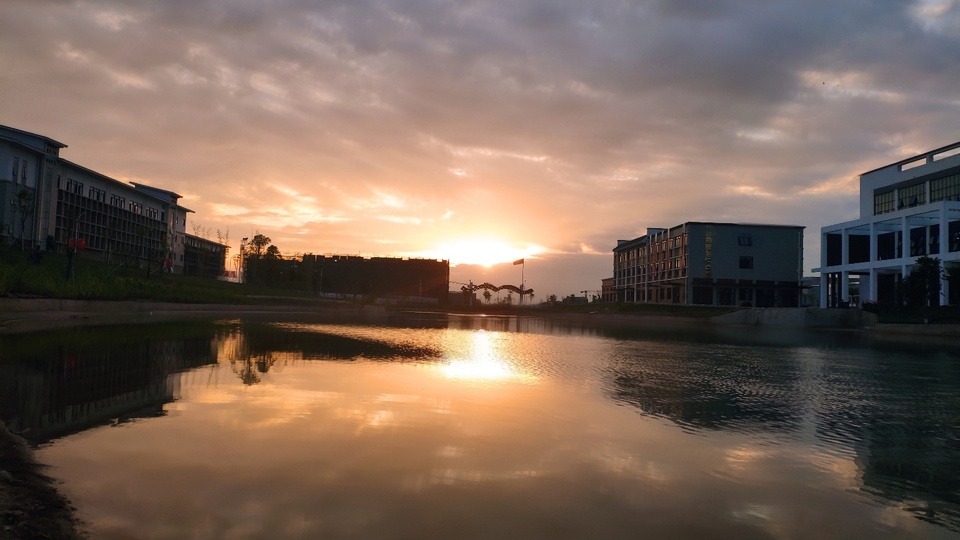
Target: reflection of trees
(249, 368)
(257, 348)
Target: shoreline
(30, 504)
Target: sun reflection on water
(479, 357)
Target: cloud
(555, 123)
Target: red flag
(518, 261)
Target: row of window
(941, 189)
(669, 243)
(98, 194)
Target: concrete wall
(799, 317)
(775, 251)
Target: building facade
(388, 279)
(717, 264)
(50, 203)
(908, 209)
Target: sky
(484, 131)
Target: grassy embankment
(21, 275)
(94, 279)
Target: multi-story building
(50, 203)
(908, 209)
(704, 263)
(425, 280)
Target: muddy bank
(30, 505)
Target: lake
(444, 426)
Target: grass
(23, 275)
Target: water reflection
(489, 427)
(480, 357)
(51, 386)
(710, 386)
(889, 421)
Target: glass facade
(945, 189)
(941, 189)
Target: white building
(908, 209)
(47, 202)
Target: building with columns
(908, 209)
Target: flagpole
(523, 266)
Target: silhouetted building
(908, 209)
(705, 263)
(385, 278)
(52, 203)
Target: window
(745, 239)
(117, 201)
(96, 194)
(945, 189)
(16, 169)
(882, 203)
(74, 187)
(23, 170)
(746, 263)
(911, 196)
(136, 207)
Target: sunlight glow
(482, 251)
(484, 363)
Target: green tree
(487, 295)
(272, 253)
(258, 245)
(922, 286)
(952, 276)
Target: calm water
(455, 427)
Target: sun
(482, 251)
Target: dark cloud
(556, 123)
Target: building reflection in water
(894, 414)
(90, 377)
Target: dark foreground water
(501, 428)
